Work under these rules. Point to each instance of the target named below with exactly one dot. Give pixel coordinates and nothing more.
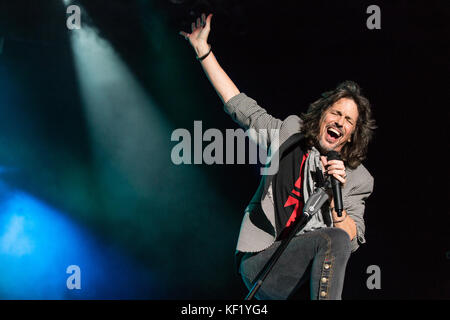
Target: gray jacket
(258, 230)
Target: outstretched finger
(199, 23)
(203, 19)
(184, 34)
(208, 20)
(193, 26)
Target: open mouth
(333, 134)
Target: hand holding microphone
(335, 168)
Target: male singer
(341, 121)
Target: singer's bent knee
(340, 240)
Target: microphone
(336, 185)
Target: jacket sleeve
(355, 207)
(249, 115)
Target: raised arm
(198, 38)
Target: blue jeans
(320, 256)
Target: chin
(326, 147)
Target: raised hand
(198, 38)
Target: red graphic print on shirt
(296, 201)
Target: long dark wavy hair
(355, 151)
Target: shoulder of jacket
(360, 178)
(362, 171)
(290, 126)
(293, 120)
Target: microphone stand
(312, 206)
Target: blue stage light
(37, 245)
